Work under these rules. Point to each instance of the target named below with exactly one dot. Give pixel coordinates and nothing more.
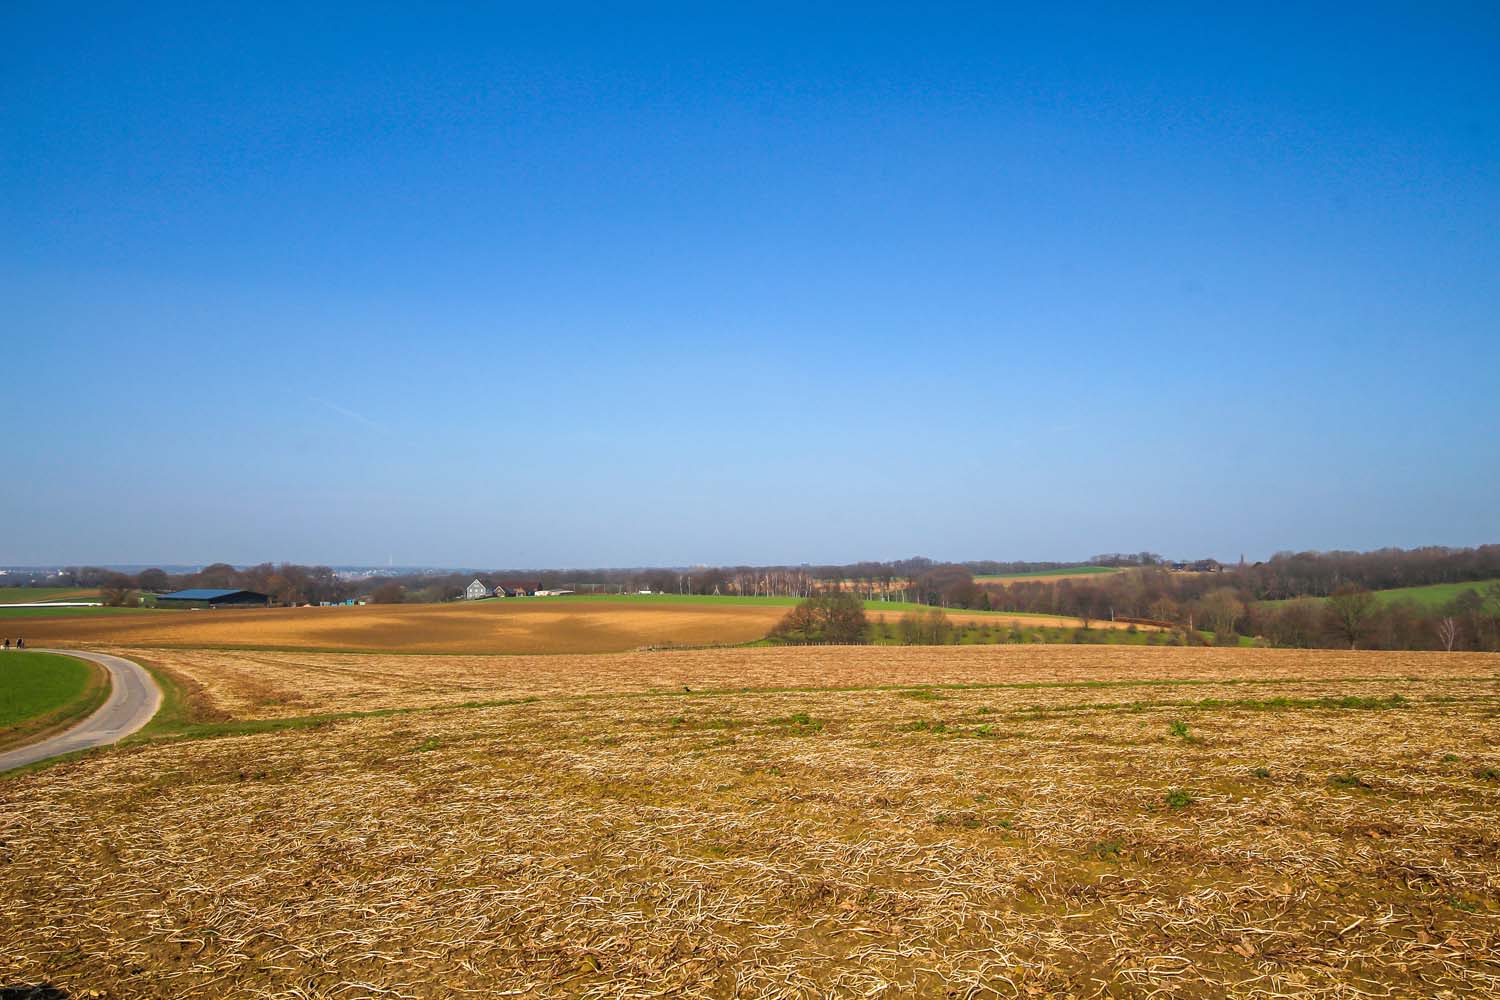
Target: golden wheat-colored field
(576, 625)
(260, 685)
(811, 822)
(1040, 578)
(1008, 618)
(514, 626)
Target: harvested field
(1050, 575)
(959, 616)
(505, 626)
(1083, 821)
(262, 685)
(516, 626)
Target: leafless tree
(1447, 630)
(1349, 610)
(389, 592)
(117, 590)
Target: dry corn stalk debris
(1043, 825)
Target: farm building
(216, 598)
(475, 591)
(516, 588)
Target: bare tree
(117, 590)
(1220, 609)
(389, 592)
(1348, 612)
(1447, 630)
(154, 580)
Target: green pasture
(41, 690)
(44, 612)
(21, 595)
(1431, 596)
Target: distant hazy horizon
(516, 287)
(188, 567)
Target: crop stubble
(623, 837)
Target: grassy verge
(44, 612)
(183, 704)
(9, 595)
(43, 692)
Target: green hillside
(1432, 596)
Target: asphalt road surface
(133, 700)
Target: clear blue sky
(480, 287)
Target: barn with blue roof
(215, 598)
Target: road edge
(126, 679)
(80, 710)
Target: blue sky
(480, 287)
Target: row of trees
(1351, 616)
(286, 583)
(1359, 619)
(917, 579)
(1319, 574)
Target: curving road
(133, 700)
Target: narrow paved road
(133, 700)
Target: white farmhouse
(475, 591)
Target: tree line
(917, 579)
(285, 583)
(1237, 601)
(1300, 600)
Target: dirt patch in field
(508, 626)
(514, 626)
(1048, 578)
(958, 616)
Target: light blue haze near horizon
(478, 286)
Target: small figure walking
(20, 643)
(7, 642)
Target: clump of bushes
(837, 618)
